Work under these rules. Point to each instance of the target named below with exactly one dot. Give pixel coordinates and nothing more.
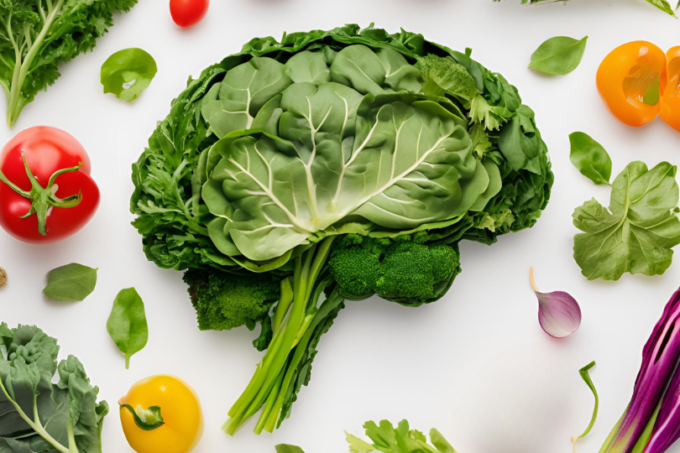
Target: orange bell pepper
(630, 80)
(670, 100)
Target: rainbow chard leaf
(651, 422)
(558, 312)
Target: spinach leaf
(559, 55)
(37, 415)
(127, 324)
(637, 232)
(127, 73)
(70, 283)
(590, 158)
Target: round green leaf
(127, 73)
(590, 158)
(559, 55)
(70, 283)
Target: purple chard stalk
(651, 422)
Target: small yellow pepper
(161, 414)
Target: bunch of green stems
(297, 315)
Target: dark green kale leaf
(37, 36)
(66, 411)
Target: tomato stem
(43, 198)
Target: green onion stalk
(304, 304)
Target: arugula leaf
(590, 158)
(127, 324)
(37, 415)
(559, 55)
(70, 283)
(36, 36)
(127, 73)
(637, 232)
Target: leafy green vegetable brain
(331, 133)
(399, 146)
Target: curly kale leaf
(68, 417)
(36, 36)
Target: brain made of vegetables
(326, 133)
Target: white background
(476, 365)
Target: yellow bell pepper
(161, 414)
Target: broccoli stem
(273, 376)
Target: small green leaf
(127, 73)
(70, 283)
(146, 419)
(285, 448)
(663, 5)
(559, 55)
(586, 378)
(357, 445)
(590, 158)
(127, 324)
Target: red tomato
(186, 13)
(670, 100)
(46, 150)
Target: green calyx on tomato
(45, 171)
(43, 198)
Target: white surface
(476, 364)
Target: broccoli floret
(224, 301)
(355, 265)
(399, 269)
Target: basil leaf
(590, 158)
(638, 231)
(127, 324)
(146, 419)
(70, 283)
(127, 73)
(559, 55)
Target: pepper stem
(42, 198)
(531, 279)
